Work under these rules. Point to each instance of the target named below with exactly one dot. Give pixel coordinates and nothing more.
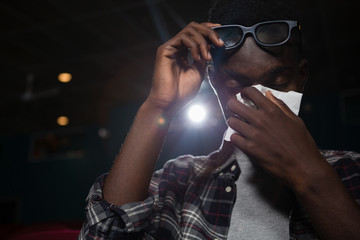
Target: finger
(247, 146)
(241, 110)
(208, 33)
(242, 143)
(199, 33)
(256, 97)
(183, 42)
(210, 24)
(201, 41)
(192, 46)
(241, 127)
(269, 95)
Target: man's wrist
(157, 107)
(316, 181)
(156, 114)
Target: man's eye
(278, 83)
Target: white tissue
(291, 99)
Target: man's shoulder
(194, 164)
(347, 166)
(334, 156)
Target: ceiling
(108, 46)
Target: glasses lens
(272, 33)
(230, 35)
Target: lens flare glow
(64, 77)
(197, 113)
(161, 121)
(62, 120)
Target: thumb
(278, 102)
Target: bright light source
(63, 120)
(64, 77)
(196, 113)
(103, 133)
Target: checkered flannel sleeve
(108, 221)
(347, 166)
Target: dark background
(108, 47)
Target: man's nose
(248, 45)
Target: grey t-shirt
(262, 206)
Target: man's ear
(303, 73)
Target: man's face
(276, 67)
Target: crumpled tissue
(292, 99)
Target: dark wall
(333, 119)
(52, 188)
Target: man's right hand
(175, 82)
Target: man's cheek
(224, 97)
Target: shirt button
(228, 189)
(221, 173)
(233, 167)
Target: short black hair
(250, 12)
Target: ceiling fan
(29, 95)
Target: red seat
(64, 234)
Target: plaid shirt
(180, 206)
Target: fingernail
(221, 41)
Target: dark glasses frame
(251, 30)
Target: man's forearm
(332, 210)
(129, 177)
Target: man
(271, 168)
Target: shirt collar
(231, 166)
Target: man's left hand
(275, 138)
